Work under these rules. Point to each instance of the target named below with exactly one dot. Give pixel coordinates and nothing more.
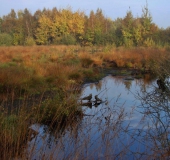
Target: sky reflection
(116, 127)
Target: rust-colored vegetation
(39, 84)
(42, 65)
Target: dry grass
(62, 63)
(59, 64)
(33, 54)
(132, 57)
(27, 71)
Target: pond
(124, 124)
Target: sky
(159, 9)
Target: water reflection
(117, 127)
(156, 105)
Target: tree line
(64, 26)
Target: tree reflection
(128, 84)
(96, 85)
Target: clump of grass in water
(58, 109)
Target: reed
(41, 84)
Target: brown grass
(53, 53)
(27, 71)
(62, 63)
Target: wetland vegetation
(52, 59)
(41, 85)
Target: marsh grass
(102, 137)
(53, 109)
(40, 84)
(14, 133)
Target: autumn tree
(64, 26)
(97, 26)
(117, 32)
(43, 35)
(88, 37)
(9, 22)
(163, 37)
(127, 30)
(52, 29)
(28, 23)
(0, 24)
(138, 31)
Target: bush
(149, 42)
(68, 40)
(29, 41)
(5, 39)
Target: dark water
(119, 127)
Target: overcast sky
(159, 9)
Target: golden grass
(60, 64)
(53, 53)
(61, 61)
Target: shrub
(149, 42)
(29, 41)
(5, 39)
(68, 40)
